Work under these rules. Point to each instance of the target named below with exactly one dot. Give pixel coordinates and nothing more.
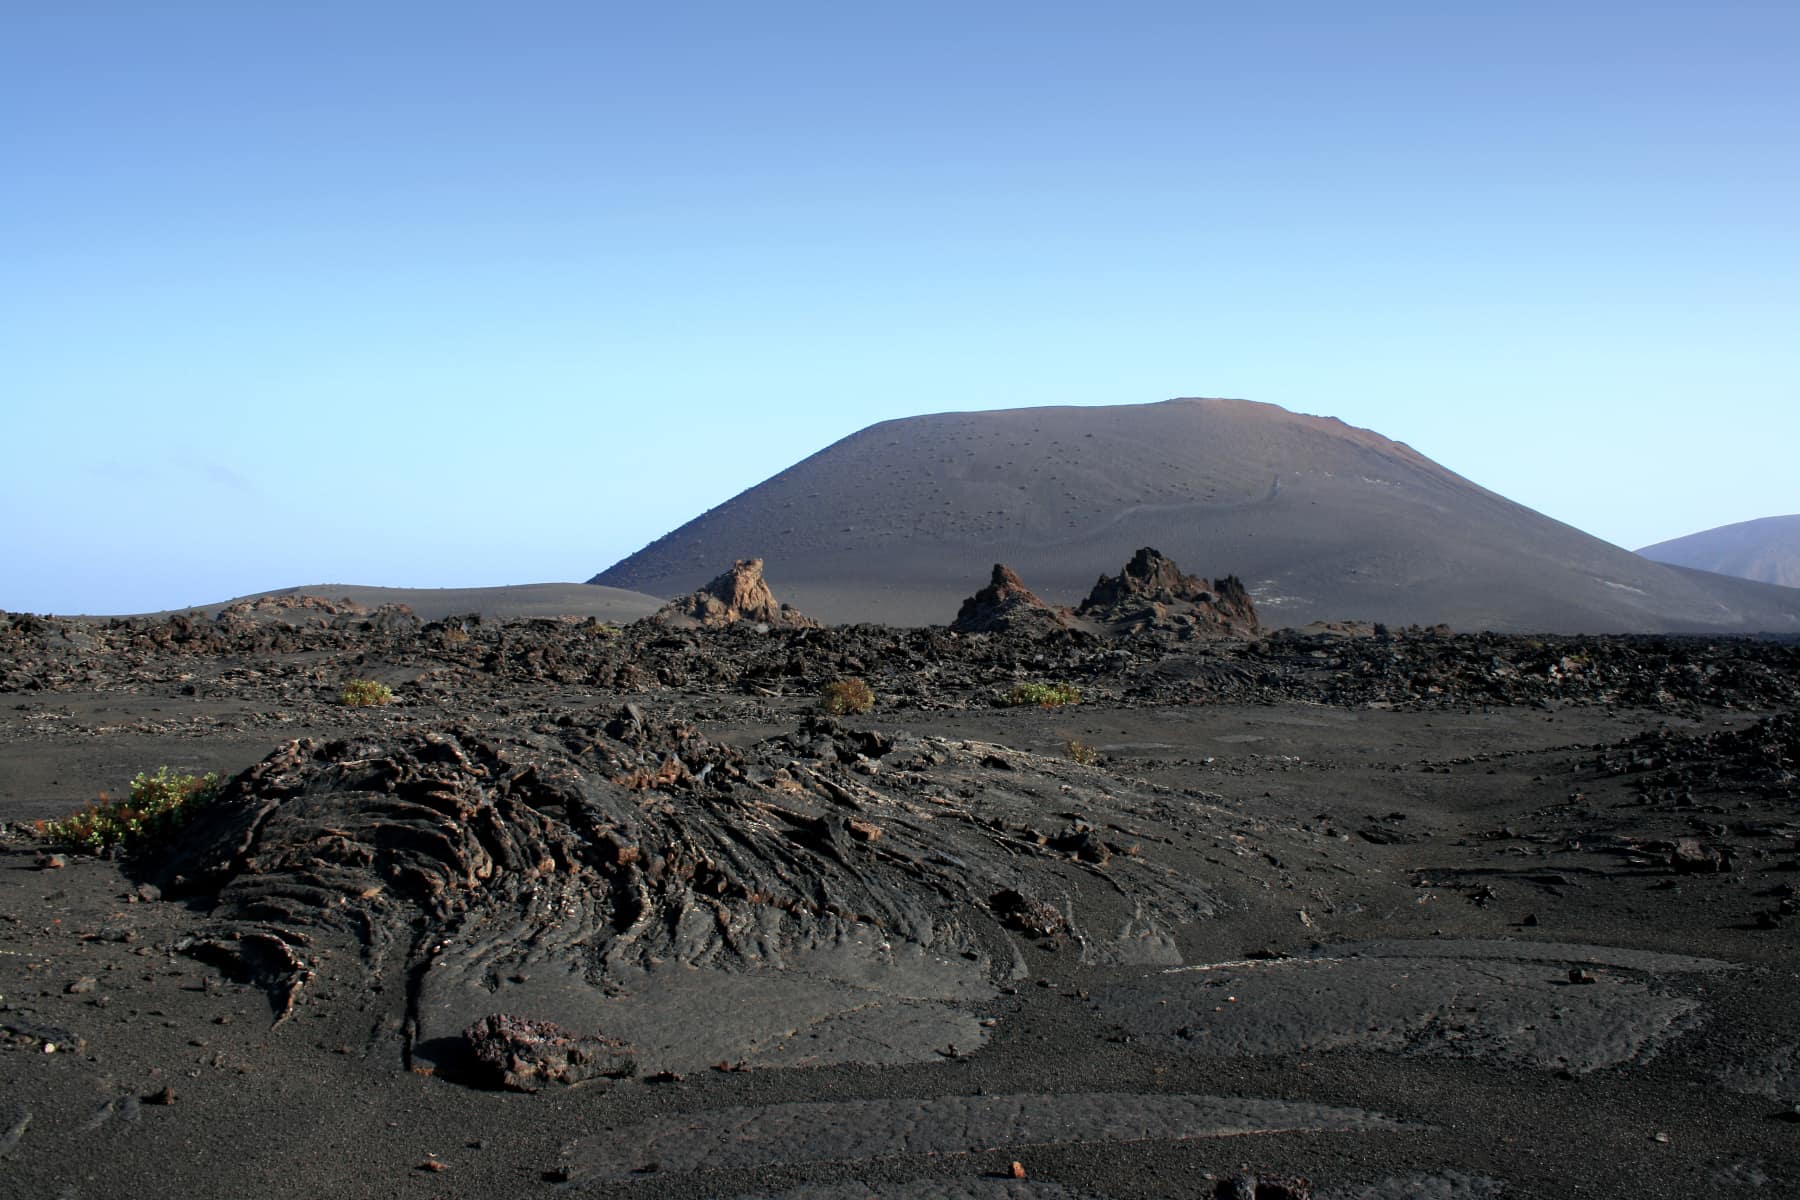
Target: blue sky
(463, 294)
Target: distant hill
(518, 600)
(900, 522)
(1767, 550)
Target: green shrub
(1083, 753)
(1043, 695)
(365, 693)
(846, 696)
(159, 805)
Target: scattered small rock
(1027, 914)
(1690, 857)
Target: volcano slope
(1767, 549)
(623, 912)
(1322, 521)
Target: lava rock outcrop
(1006, 605)
(738, 595)
(1151, 593)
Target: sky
(456, 294)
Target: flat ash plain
(1306, 914)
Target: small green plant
(159, 805)
(1083, 753)
(1043, 695)
(367, 693)
(843, 696)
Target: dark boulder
(517, 1054)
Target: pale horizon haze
(452, 294)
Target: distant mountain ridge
(508, 602)
(1766, 549)
(1321, 520)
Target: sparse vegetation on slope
(1083, 753)
(367, 693)
(842, 696)
(1043, 695)
(159, 805)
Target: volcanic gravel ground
(621, 911)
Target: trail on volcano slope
(860, 890)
